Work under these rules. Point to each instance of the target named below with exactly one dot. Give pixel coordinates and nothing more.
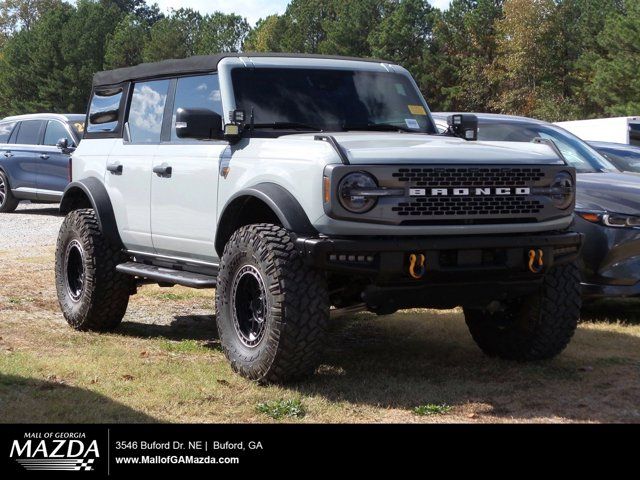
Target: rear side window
(147, 110)
(56, 131)
(196, 92)
(29, 133)
(104, 111)
(5, 131)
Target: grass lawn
(164, 364)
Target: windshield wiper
(286, 126)
(380, 127)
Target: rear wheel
(271, 309)
(91, 293)
(536, 327)
(8, 203)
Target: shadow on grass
(27, 400)
(407, 360)
(625, 310)
(186, 327)
(399, 364)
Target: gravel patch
(31, 225)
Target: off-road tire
(537, 327)
(104, 295)
(296, 311)
(9, 203)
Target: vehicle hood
(382, 148)
(609, 191)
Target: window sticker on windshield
(417, 110)
(400, 89)
(412, 123)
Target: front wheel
(91, 293)
(537, 327)
(271, 309)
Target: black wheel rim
(74, 269)
(249, 303)
(3, 190)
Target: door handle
(163, 170)
(44, 156)
(115, 168)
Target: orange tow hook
(536, 261)
(417, 265)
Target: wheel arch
(91, 193)
(262, 203)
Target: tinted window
(634, 134)
(577, 153)
(103, 113)
(29, 133)
(196, 92)
(56, 131)
(332, 100)
(626, 160)
(5, 131)
(146, 112)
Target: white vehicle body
(616, 130)
(178, 217)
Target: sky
(253, 10)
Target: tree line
(550, 59)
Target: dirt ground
(164, 363)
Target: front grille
(440, 177)
(468, 206)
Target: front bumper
(387, 258)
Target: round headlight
(349, 188)
(562, 191)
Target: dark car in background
(35, 157)
(607, 204)
(624, 157)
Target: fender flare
(94, 190)
(283, 204)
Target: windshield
(330, 100)
(625, 160)
(577, 153)
(78, 128)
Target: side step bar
(167, 275)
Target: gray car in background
(624, 157)
(607, 204)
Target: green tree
(465, 45)
(175, 36)
(124, 46)
(267, 36)
(21, 15)
(220, 32)
(616, 80)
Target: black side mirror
(63, 145)
(464, 126)
(199, 123)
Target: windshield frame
(369, 68)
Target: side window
(147, 109)
(55, 131)
(196, 92)
(29, 133)
(104, 111)
(5, 131)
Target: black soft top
(197, 64)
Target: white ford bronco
(300, 186)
